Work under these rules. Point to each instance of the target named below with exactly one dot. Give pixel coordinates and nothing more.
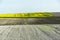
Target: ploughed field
(30, 32)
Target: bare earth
(20, 21)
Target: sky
(16, 6)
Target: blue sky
(14, 6)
